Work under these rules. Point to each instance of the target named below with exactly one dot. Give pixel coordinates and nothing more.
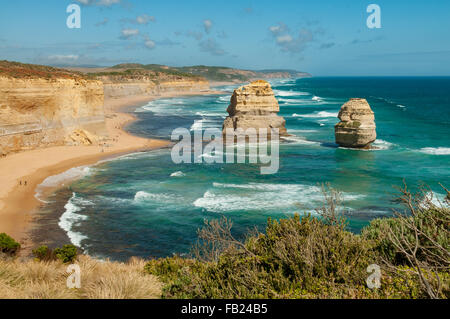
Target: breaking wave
(142, 196)
(71, 218)
(177, 174)
(435, 150)
(262, 196)
(290, 93)
(321, 114)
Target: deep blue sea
(145, 205)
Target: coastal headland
(78, 125)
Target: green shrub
(296, 258)
(43, 253)
(8, 245)
(67, 254)
(432, 222)
(313, 257)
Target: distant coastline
(18, 202)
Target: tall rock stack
(357, 126)
(254, 106)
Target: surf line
(192, 150)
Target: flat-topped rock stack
(357, 127)
(254, 106)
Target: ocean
(144, 205)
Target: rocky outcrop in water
(254, 106)
(357, 126)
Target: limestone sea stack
(254, 106)
(357, 126)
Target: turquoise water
(145, 205)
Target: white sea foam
(402, 106)
(71, 218)
(293, 101)
(290, 93)
(302, 131)
(316, 98)
(435, 150)
(69, 175)
(164, 106)
(60, 179)
(294, 139)
(436, 199)
(205, 123)
(142, 196)
(378, 145)
(228, 88)
(321, 114)
(261, 196)
(177, 174)
(382, 144)
(224, 99)
(210, 114)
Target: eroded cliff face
(121, 87)
(254, 106)
(38, 112)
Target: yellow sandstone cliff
(44, 106)
(38, 112)
(117, 88)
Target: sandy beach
(21, 173)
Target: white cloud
(293, 42)
(101, 3)
(207, 24)
(144, 19)
(59, 58)
(284, 39)
(107, 2)
(277, 29)
(129, 33)
(149, 44)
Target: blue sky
(326, 37)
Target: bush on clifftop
(66, 254)
(8, 245)
(314, 257)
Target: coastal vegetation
(316, 257)
(31, 279)
(137, 71)
(24, 71)
(140, 71)
(8, 245)
(309, 256)
(66, 254)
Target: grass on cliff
(316, 257)
(25, 71)
(31, 279)
(137, 71)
